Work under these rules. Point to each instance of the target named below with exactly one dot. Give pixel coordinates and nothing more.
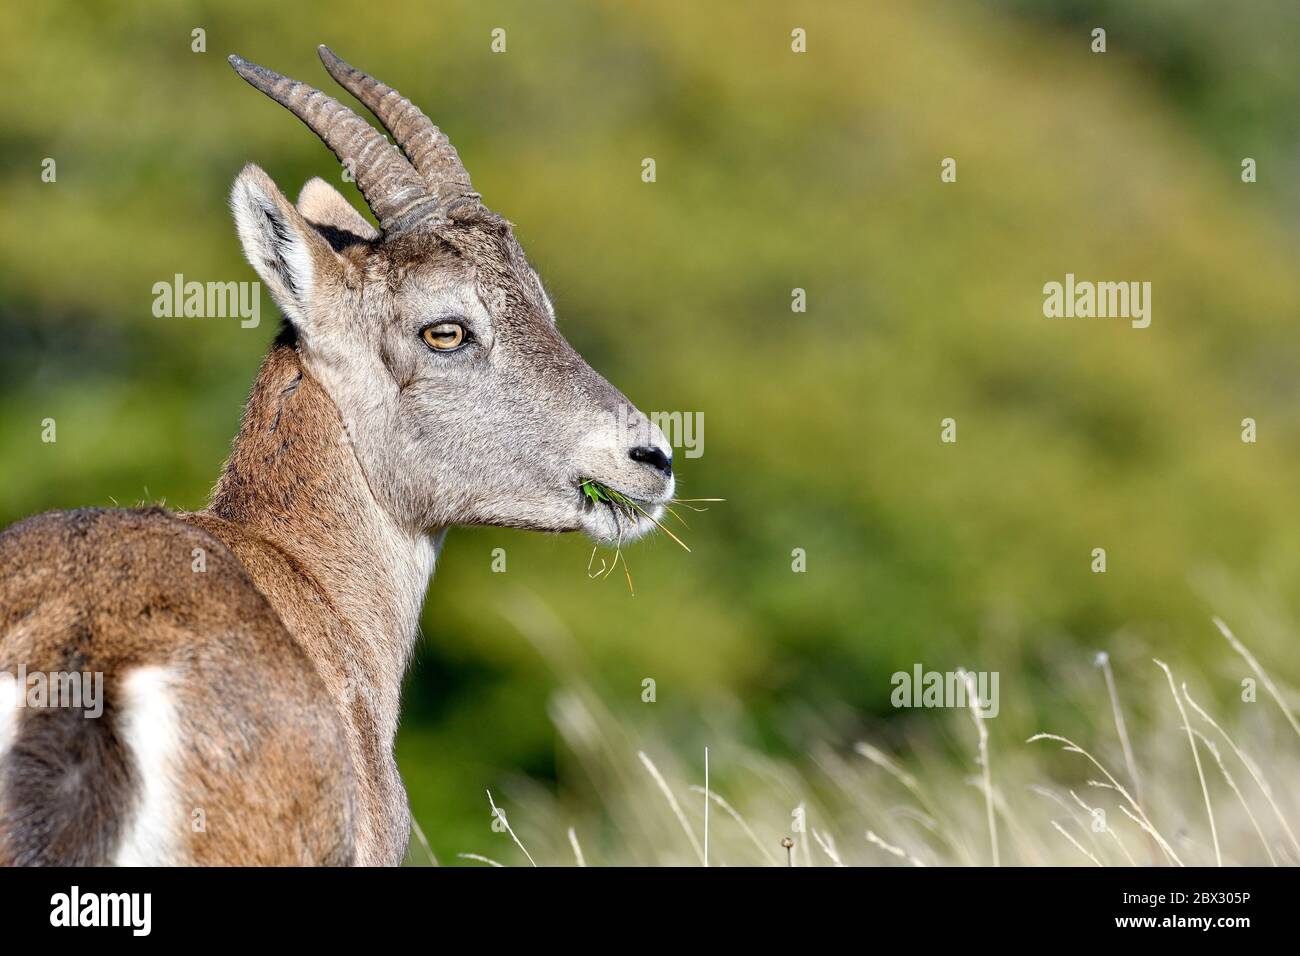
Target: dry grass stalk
(973, 701)
(672, 803)
(1249, 764)
(1264, 679)
(1196, 758)
(500, 815)
(1103, 661)
(577, 848)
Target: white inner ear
(323, 205)
(274, 244)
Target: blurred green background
(775, 170)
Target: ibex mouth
(613, 515)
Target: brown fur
(288, 507)
(287, 617)
(95, 590)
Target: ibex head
(433, 335)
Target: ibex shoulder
(161, 618)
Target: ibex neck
(293, 483)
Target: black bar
(960, 907)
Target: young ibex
(252, 654)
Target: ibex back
(252, 653)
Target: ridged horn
(428, 148)
(397, 195)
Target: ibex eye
(443, 336)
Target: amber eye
(443, 336)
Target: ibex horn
(398, 196)
(427, 146)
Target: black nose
(652, 457)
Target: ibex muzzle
(252, 653)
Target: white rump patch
(9, 691)
(150, 729)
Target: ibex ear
(337, 219)
(292, 258)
